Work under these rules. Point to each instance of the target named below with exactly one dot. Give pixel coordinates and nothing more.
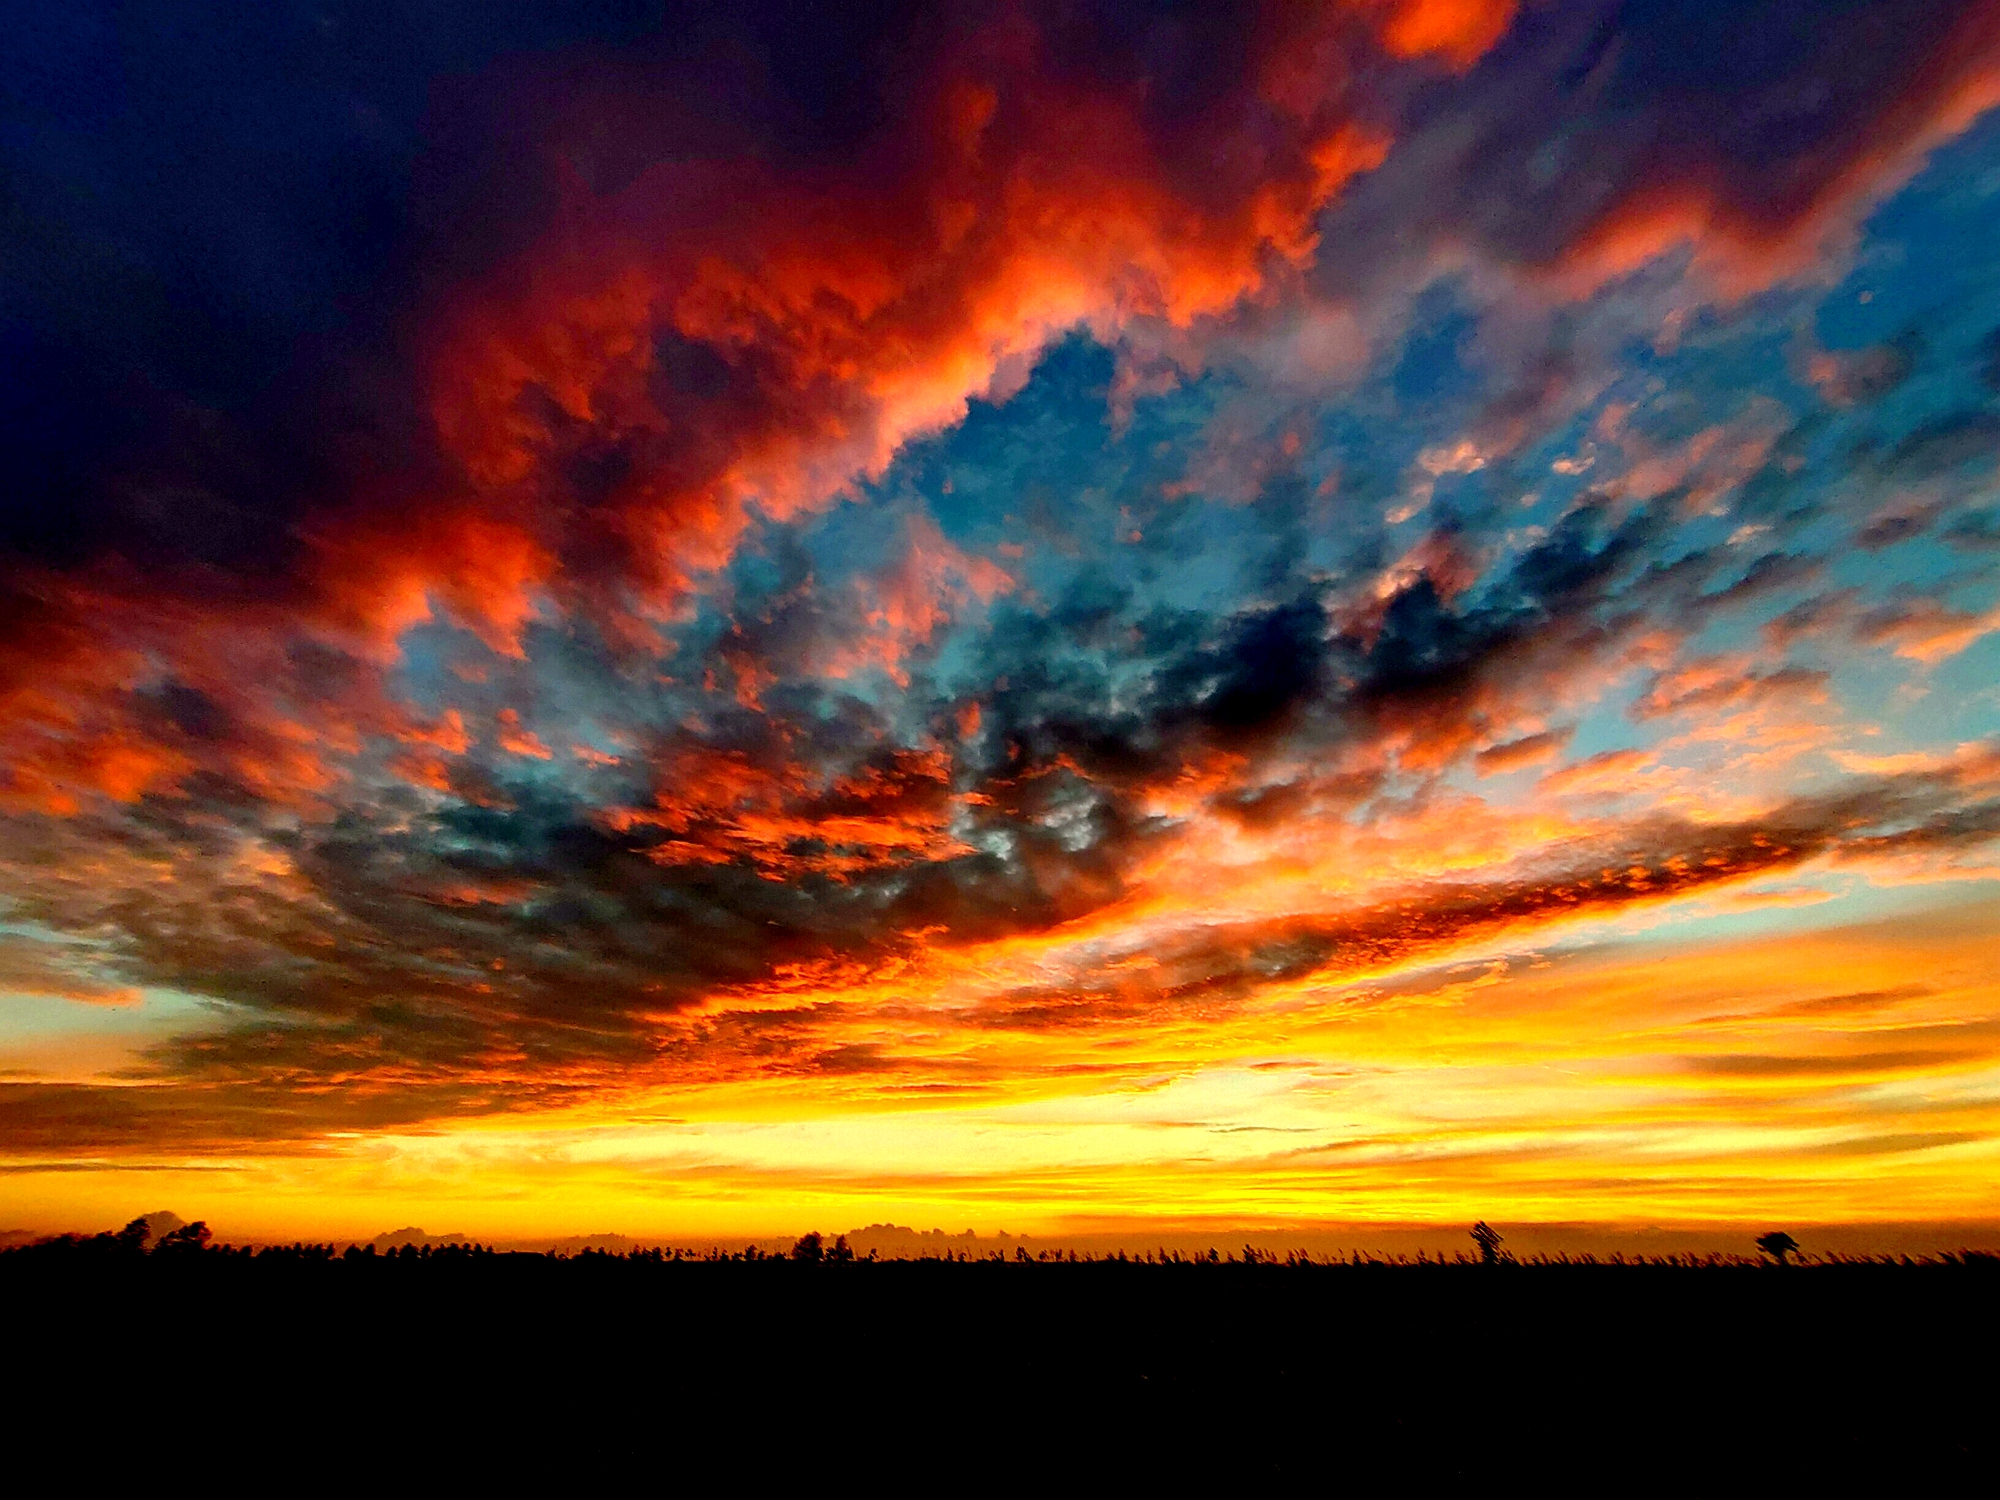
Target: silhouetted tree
(809, 1247)
(1488, 1239)
(189, 1239)
(840, 1249)
(1778, 1245)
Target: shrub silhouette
(809, 1247)
(1778, 1245)
(1488, 1239)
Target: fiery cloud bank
(1003, 614)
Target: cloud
(1460, 29)
(1716, 684)
(59, 971)
(801, 324)
(1924, 630)
(1529, 750)
(1854, 376)
(1609, 772)
(879, 622)
(1944, 443)
(1826, 117)
(829, 548)
(589, 364)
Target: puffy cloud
(716, 331)
(685, 311)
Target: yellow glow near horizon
(1850, 1074)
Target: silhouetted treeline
(130, 1244)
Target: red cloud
(1460, 30)
(717, 806)
(732, 334)
(719, 326)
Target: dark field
(517, 1369)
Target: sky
(723, 619)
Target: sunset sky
(725, 619)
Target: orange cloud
(1925, 630)
(1609, 773)
(517, 739)
(1461, 30)
(746, 338)
(719, 806)
(1529, 750)
(1717, 684)
(379, 578)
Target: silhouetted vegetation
(191, 1241)
(1778, 1245)
(1488, 1239)
(1257, 1361)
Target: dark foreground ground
(532, 1372)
